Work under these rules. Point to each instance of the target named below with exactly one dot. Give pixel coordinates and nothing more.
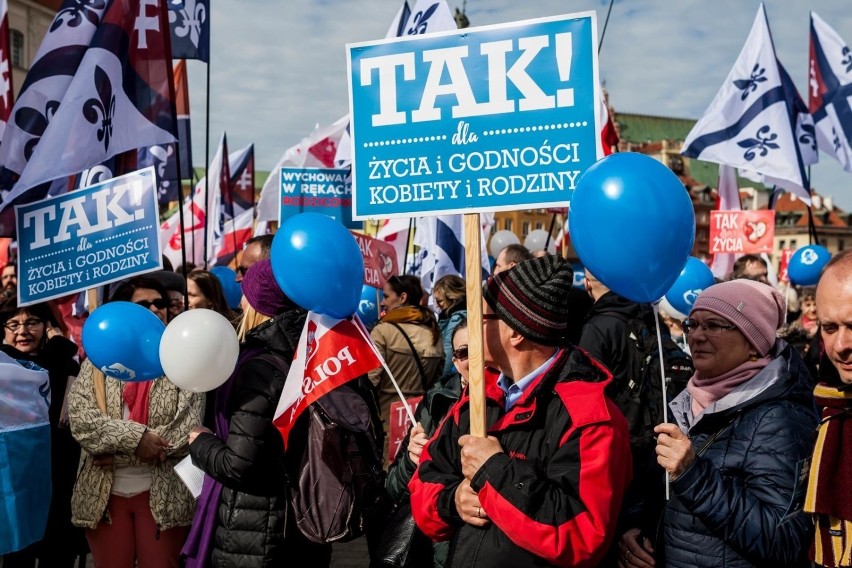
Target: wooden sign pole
(473, 269)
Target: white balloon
(536, 240)
(500, 240)
(665, 306)
(199, 349)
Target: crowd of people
(749, 470)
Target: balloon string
(369, 340)
(656, 307)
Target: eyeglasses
(14, 326)
(710, 328)
(461, 353)
(242, 269)
(159, 303)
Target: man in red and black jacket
(546, 484)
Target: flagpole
(606, 21)
(407, 245)
(207, 164)
(550, 232)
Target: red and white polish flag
(331, 352)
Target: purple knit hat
(757, 309)
(262, 291)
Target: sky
(278, 67)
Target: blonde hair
(250, 320)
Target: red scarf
(707, 390)
(135, 396)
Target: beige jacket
(173, 414)
(397, 353)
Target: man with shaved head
(828, 498)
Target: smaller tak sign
(87, 238)
(481, 119)
(379, 260)
(746, 232)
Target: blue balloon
(806, 264)
(318, 264)
(228, 278)
(632, 224)
(122, 339)
(695, 277)
(370, 304)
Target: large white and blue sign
(87, 238)
(480, 119)
(317, 190)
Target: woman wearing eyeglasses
(134, 507)
(429, 412)
(737, 457)
(31, 333)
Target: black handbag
(402, 545)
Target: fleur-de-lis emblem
(763, 142)
(835, 139)
(846, 54)
(192, 17)
(74, 14)
(103, 108)
(808, 136)
(420, 21)
(33, 122)
(750, 85)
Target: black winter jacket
(252, 465)
(740, 502)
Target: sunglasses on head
(159, 303)
(461, 353)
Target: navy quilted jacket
(740, 502)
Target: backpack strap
(416, 356)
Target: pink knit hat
(757, 309)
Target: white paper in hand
(192, 476)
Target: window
(508, 225)
(782, 244)
(525, 228)
(539, 226)
(16, 43)
(793, 244)
(841, 244)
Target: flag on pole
(5, 68)
(197, 213)
(752, 122)
(182, 111)
(120, 97)
(317, 150)
(236, 218)
(330, 353)
(442, 249)
(189, 23)
(830, 91)
(609, 136)
(24, 437)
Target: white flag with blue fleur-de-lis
(110, 96)
(830, 91)
(748, 124)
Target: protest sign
(481, 119)
(785, 254)
(87, 238)
(317, 190)
(747, 232)
(399, 424)
(379, 260)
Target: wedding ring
(479, 512)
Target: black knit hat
(532, 297)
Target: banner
(316, 190)
(87, 238)
(785, 255)
(399, 424)
(747, 232)
(493, 118)
(379, 260)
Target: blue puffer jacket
(740, 502)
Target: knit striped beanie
(532, 298)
